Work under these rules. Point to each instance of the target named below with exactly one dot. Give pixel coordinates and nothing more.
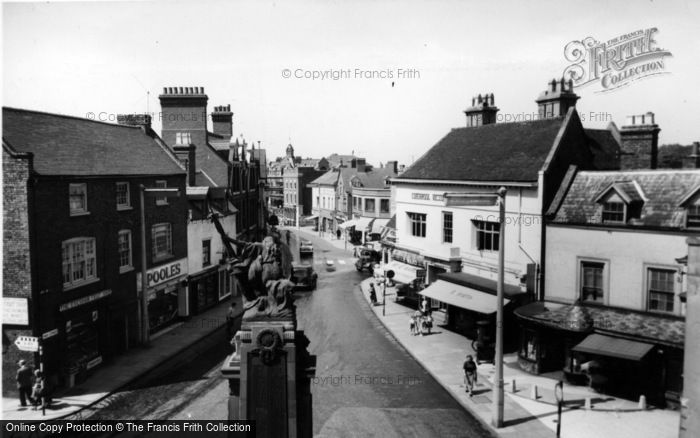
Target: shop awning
(347, 224)
(312, 217)
(613, 347)
(462, 297)
(363, 223)
(403, 273)
(378, 225)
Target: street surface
(366, 384)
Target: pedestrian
(424, 306)
(24, 383)
(288, 236)
(338, 233)
(470, 374)
(412, 325)
(372, 294)
(39, 391)
(230, 317)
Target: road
(366, 384)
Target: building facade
(86, 176)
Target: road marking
(342, 262)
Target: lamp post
(491, 199)
(559, 394)
(143, 192)
(388, 275)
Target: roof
(659, 195)
(67, 145)
(605, 148)
(214, 165)
(375, 178)
(657, 328)
(329, 178)
(494, 152)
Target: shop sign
(93, 363)
(84, 300)
(27, 343)
(49, 334)
(15, 311)
(408, 257)
(164, 273)
(422, 196)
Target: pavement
(528, 411)
(110, 377)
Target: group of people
(32, 386)
(421, 322)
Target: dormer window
(693, 216)
(691, 203)
(614, 212)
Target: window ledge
(79, 213)
(82, 283)
(124, 207)
(163, 258)
(125, 269)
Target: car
(305, 247)
(304, 277)
(367, 258)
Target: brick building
(72, 238)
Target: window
(613, 212)
(161, 185)
(487, 235)
(77, 196)
(79, 265)
(162, 241)
(528, 345)
(384, 206)
(694, 216)
(124, 247)
(592, 281)
(206, 252)
(369, 205)
(354, 202)
(417, 224)
(183, 138)
(447, 227)
(660, 287)
(123, 196)
(225, 283)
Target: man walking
(24, 383)
(469, 374)
(230, 318)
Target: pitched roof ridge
(626, 171)
(67, 116)
(521, 122)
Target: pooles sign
(164, 273)
(616, 62)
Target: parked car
(367, 259)
(305, 247)
(304, 277)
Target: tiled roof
(654, 328)
(209, 160)
(495, 152)
(605, 148)
(375, 178)
(664, 191)
(65, 145)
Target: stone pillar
(690, 401)
(270, 378)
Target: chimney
(695, 156)
(233, 150)
(639, 140)
(393, 167)
(556, 100)
(142, 120)
(184, 109)
(222, 121)
(482, 112)
(185, 152)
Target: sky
(107, 58)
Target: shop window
(123, 196)
(614, 212)
(206, 252)
(225, 284)
(79, 264)
(528, 346)
(592, 288)
(417, 223)
(124, 245)
(660, 290)
(162, 241)
(487, 235)
(160, 184)
(384, 206)
(77, 198)
(447, 227)
(369, 205)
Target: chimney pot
(554, 85)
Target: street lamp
(490, 199)
(388, 275)
(559, 394)
(159, 193)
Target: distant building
(616, 247)
(72, 233)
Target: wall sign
(84, 300)
(163, 273)
(15, 311)
(27, 343)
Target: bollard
(642, 402)
(533, 392)
(587, 404)
(512, 387)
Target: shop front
(409, 274)
(166, 293)
(85, 328)
(615, 351)
(208, 288)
